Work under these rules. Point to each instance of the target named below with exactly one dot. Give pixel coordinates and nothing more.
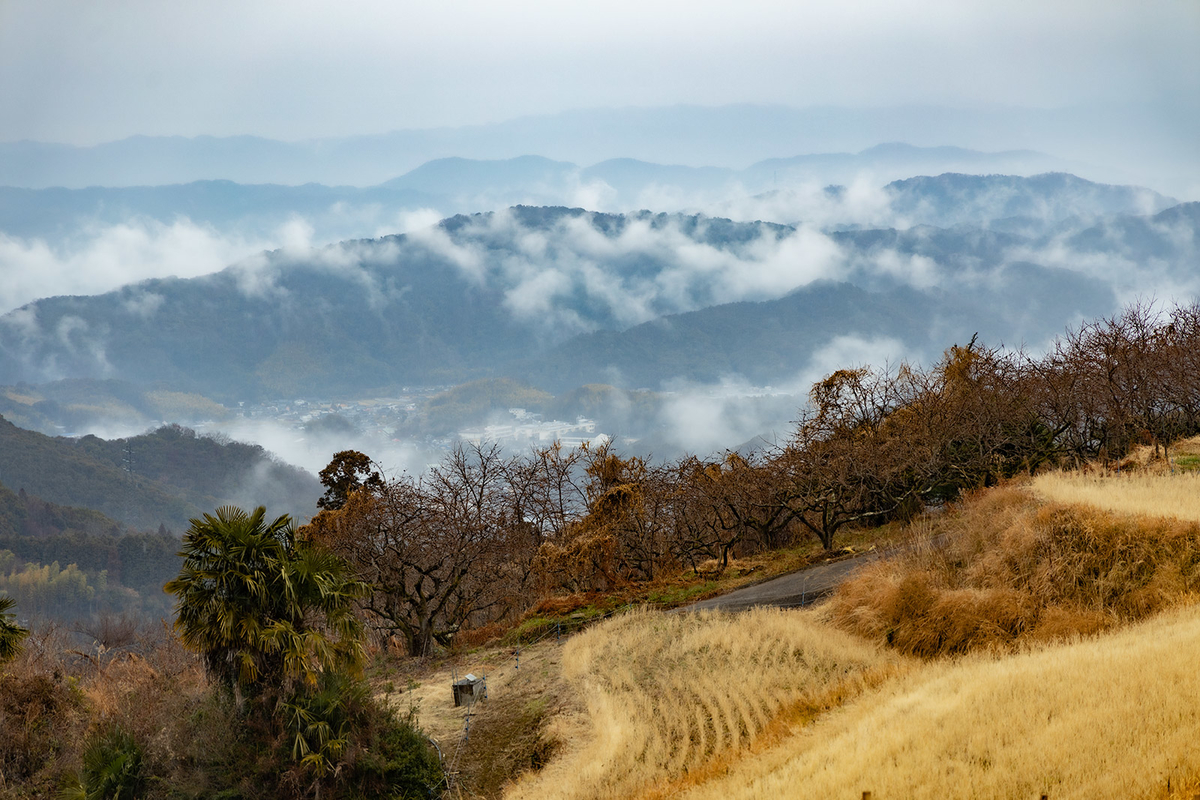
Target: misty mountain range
(726, 136)
(562, 297)
(459, 185)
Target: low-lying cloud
(313, 450)
(706, 419)
(99, 259)
(96, 258)
(649, 268)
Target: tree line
(484, 535)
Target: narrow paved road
(788, 591)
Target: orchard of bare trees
(485, 535)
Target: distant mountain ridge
(957, 199)
(458, 185)
(411, 310)
(451, 175)
(727, 136)
(57, 212)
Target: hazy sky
(85, 72)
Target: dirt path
(505, 734)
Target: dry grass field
(1140, 493)
(670, 696)
(1110, 717)
(773, 704)
(1062, 662)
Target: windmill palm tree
(11, 634)
(273, 617)
(262, 608)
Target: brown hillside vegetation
(485, 536)
(56, 697)
(1010, 567)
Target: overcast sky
(86, 72)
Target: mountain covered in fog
(806, 188)
(564, 296)
(1010, 200)
(769, 342)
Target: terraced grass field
(669, 695)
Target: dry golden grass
(1030, 580)
(1010, 567)
(1116, 716)
(691, 706)
(1140, 493)
(671, 696)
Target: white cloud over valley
(102, 258)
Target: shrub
(396, 762)
(11, 634)
(112, 769)
(37, 712)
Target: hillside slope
(23, 515)
(161, 478)
(771, 341)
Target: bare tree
(845, 463)
(437, 550)
(629, 501)
(738, 502)
(546, 496)
(1124, 379)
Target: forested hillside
(90, 527)
(161, 478)
(74, 564)
(23, 515)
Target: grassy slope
(735, 707)
(662, 703)
(1114, 716)
(1138, 493)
